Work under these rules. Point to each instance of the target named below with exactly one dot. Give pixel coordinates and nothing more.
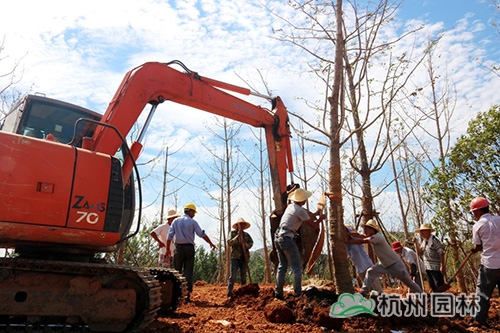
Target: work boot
(278, 296)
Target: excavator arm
(154, 83)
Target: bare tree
(408, 173)
(8, 80)
(227, 175)
(335, 113)
(434, 105)
(259, 191)
(369, 75)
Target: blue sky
(451, 13)
(79, 52)
(447, 11)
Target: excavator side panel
(35, 180)
(54, 193)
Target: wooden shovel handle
(461, 266)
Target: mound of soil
(254, 309)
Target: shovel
(245, 255)
(447, 286)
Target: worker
(160, 234)
(240, 242)
(360, 259)
(51, 137)
(411, 259)
(184, 229)
(486, 239)
(432, 252)
(389, 261)
(284, 240)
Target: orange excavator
(67, 194)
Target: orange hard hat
(478, 203)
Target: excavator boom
(154, 83)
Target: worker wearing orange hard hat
(486, 239)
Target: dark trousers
(184, 262)
(237, 264)
(487, 280)
(436, 279)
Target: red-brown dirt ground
(253, 309)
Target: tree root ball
(251, 289)
(277, 312)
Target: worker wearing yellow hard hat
(184, 228)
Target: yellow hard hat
(190, 206)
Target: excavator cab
(38, 117)
(46, 119)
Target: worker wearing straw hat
(160, 234)
(240, 242)
(360, 259)
(432, 252)
(284, 240)
(389, 261)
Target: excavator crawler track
(173, 288)
(56, 296)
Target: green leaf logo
(350, 305)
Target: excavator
(67, 194)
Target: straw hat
(172, 213)
(425, 226)
(372, 224)
(244, 224)
(396, 246)
(299, 195)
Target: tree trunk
(343, 279)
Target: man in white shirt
(411, 259)
(160, 234)
(486, 239)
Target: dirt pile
(254, 309)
